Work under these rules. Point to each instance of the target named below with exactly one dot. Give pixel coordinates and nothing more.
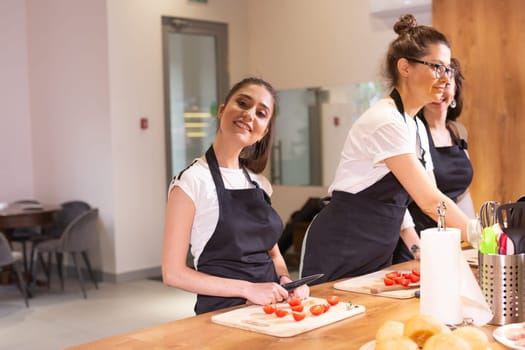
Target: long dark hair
(413, 41)
(453, 113)
(255, 157)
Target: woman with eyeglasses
(385, 162)
(452, 167)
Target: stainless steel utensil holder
(501, 278)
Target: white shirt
(197, 182)
(381, 132)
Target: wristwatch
(414, 249)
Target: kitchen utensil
(292, 285)
(489, 241)
(502, 244)
(511, 218)
(487, 213)
(441, 210)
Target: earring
(453, 104)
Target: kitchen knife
(292, 285)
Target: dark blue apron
(453, 172)
(356, 234)
(247, 229)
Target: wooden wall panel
(489, 39)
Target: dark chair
(78, 237)
(8, 257)
(24, 235)
(68, 212)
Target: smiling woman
(232, 232)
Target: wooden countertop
(198, 332)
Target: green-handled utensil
(489, 241)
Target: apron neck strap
(399, 103)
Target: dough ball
(399, 343)
(446, 341)
(390, 329)
(421, 327)
(474, 336)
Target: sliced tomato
(416, 272)
(298, 316)
(268, 309)
(297, 308)
(333, 300)
(281, 312)
(294, 301)
(316, 309)
(414, 278)
(393, 275)
(389, 281)
(326, 307)
(404, 282)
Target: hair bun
(405, 23)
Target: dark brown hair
(255, 157)
(453, 113)
(413, 41)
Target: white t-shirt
(381, 132)
(197, 183)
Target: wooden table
(19, 216)
(16, 216)
(199, 332)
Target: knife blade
(294, 284)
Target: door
(195, 82)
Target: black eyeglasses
(439, 69)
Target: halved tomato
(281, 312)
(316, 309)
(294, 301)
(268, 309)
(333, 300)
(298, 316)
(297, 308)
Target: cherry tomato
(414, 278)
(281, 312)
(416, 272)
(393, 275)
(333, 300)
(389, 281)
(316, 309)
(268, 309)
(404, 282)
(326, 307)
(297, 308)
(294, 301)
(298, 316)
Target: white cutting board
(253, 318)
(363, 284)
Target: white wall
(78, 74)
(16, 171)
(136, 89)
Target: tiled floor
(56, 319)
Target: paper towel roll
(441, 275)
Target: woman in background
(452, 167)
(220, 206)
(383, 163)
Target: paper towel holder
(441, 210)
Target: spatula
(511, 218)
